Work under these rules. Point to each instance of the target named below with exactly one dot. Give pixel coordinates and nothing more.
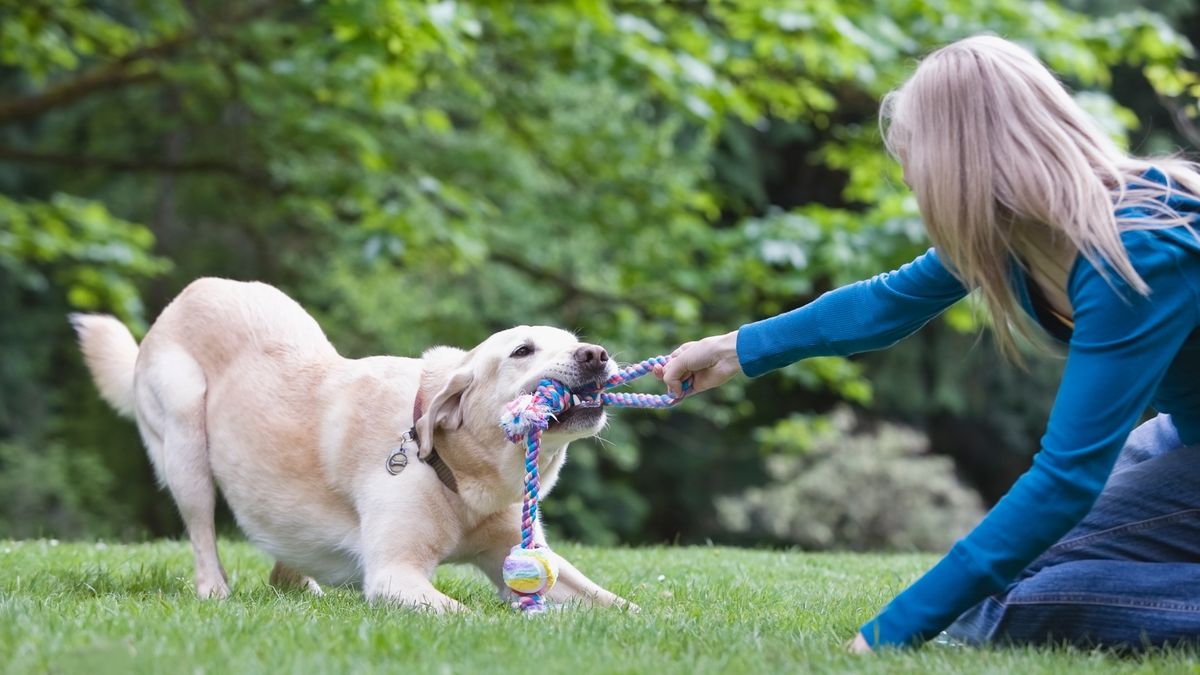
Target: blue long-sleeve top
(1125, 352)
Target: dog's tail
(110, 353)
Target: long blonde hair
(1001, 158)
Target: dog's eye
(522, 351)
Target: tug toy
(530, 569)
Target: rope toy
(530, 569)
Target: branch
(119, 73)
(567, 285)
(138, 165)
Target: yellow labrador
(235, 383)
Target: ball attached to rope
(530, 570)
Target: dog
(236, 386)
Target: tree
(643, 172)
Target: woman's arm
(861, 317)
(1122, 346)
(868, 315)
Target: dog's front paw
(212, 589)
(440, 604)
(423, 600)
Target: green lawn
(97, 608)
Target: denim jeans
(1128, 576)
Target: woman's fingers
(659, 370)
(675, 372)
(707, 363)
(670, 373)
(859, 645)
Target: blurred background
(642, 172)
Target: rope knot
(534, 411)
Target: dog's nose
(591, 355)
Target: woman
(1027, 201)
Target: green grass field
(97, 608)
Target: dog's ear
(445, 408)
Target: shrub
(50, 490)
(838, 485)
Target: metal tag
(397, 460)
(399, 457)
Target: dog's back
(218, 322)
(215, 321)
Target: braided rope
(528, 416)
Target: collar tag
(398, 459)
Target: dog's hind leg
(284, 578)
(172, 398)
(195, 495)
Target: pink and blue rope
(531, 419)
(633, 400)
(532, 602)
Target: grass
(104, 608)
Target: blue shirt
(1126, 352)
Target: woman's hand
(859, 645)
(708, 363)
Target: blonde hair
(1001, 159)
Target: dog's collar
(409, 440)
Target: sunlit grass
(105, 608)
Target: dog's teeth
(574, 399)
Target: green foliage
(53, 490)
(76, 246)
(415, 173)
(59, 255)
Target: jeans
(1128, 576)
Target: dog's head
(470, 389)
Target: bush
(51, 490)
(842, 486)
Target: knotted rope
(530, 570)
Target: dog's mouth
(576, 418)
(582, 410)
